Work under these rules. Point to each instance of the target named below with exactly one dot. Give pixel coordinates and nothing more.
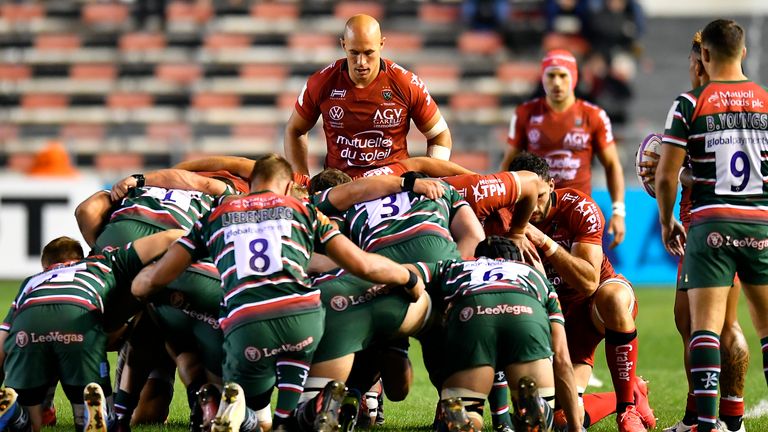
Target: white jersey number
(737, 160)
(388, 207)
(258, 246)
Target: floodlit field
(660, 362)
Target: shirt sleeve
(308, 103)
(124, 262)
(194, 242)
(676, 128)
(603, 132)
(421, 106)
(325, 231)
(516, 137)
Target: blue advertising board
(641, 258)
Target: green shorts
(188, 314)
(376, 313)
(122, 232)
(496, 329)
(251, 351)
(718, 251)
(56, 341)
(430, 248)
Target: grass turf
(660, 362)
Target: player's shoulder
(530, 106)
(396, 72)
(569, 199)
(325, 75)
(590, 109)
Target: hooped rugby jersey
(724, 128)
(567, 140)
(395, 218)
(261, 244)
(85, 283)
(365, 127)
(454, 279)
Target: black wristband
(139, 180)
(413, 279)
(409, 179)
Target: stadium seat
(14, 72)
(20, 161)
(264, 71)
(57, 42)
(182, 12)
(440, 78)
(275, 11)
(467, 101)
(436, 13)
(169, 132)
(179, 73)
(82, 132)
(207, 100)
(102, 72)
(573, 43)
(346, 9)
(141, 41)
(44, 100)
(311, 41)
(404, 42)
(120, 162)
(21, 12)
(518, 71)
(106, 14)
(475, 161)
(226, 41)
(287, 100)
(480, 42)
(129, 100)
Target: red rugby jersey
(488, 193)
(365, 127)
(567, 140)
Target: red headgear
(560, 58)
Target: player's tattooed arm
(92, 214)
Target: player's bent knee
(614, 298)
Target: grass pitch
(660, 362)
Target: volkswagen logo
(336, 113)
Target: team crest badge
(339, 303)
(177, 299)
(22, 339)
(387, 94)
(466, 314)
(578, 122)
(715, 240)
(252, 354)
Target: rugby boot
(350, 408)
(642, 404)
(49, 416)
(680, 427)
(503, 427)
(724, 427)
(329, 405)
(8, 405)
(630, 420)
(454, 417)
(95, 408)
(380, 411)
(208, 398)
(533, 414)
(231, 411)
(560, 423)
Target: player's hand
(673, 236)
(648, 173)
(527, 249)
(121, 188)
(617, 228)
(431, 189)
(535, 235)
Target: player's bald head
(362, 26)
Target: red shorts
(583, 337)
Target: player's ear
(383, 39)
(551, 184)
(288, 188)
(341, 43)
(705, 55)
(743, 53)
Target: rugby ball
(651, 144)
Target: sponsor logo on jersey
(576, 140)
(252, 354)
(537, 119)
(503, 309)
(562, 165)
(385, 170)
(338, 94)
(578, 122)
(588, 209)
(388, 117)
(177, 299)
(386, 94)
(336, 113)
(534, 135)
(715, 240)
(22, 339)
(55, 336)
(339, 303)
(466, 314)
(258, 353)
(735, 98)
(365, 148)
(487, 188)
(737, 120)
